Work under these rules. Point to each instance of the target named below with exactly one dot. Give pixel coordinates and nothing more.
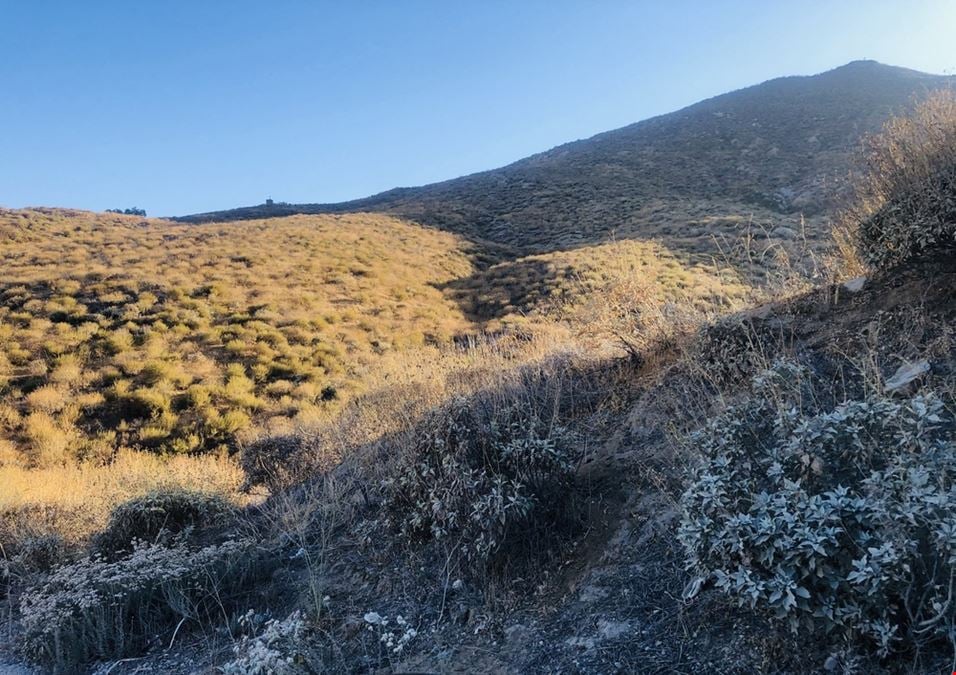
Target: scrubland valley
(678, 398)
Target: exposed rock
(906, 374)
(784, 233)
(854, 285)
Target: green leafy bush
(98, 609)
(843, 520)
(494, 481)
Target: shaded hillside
(768, 152)
(609, 596)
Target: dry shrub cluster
(404, 388)
(903, 202)
(99, 609)
(159, 515)
(478, 485)
(166, 561)
(489, 482)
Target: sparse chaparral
(680, 397)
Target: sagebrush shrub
(157, 515)
(903, 203)
(492, 482)
(843, 520)
(97, 609)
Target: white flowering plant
(394, 636)
(280, 649)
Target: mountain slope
(770, 152)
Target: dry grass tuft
(903, 202)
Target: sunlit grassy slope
(123, 338)
(123, 332)
(118, 331)
(550, 284)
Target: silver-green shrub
(488, 482)
(843, 520)
(97, 608)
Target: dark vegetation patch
(160, 516)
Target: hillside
(764, 154)
(340, 583)
(119, 331)
(358, 442)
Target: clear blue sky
(179, 106)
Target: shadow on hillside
(510, 288)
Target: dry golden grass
(178, 338)
(900, 206)
(632, 296)
(122, 336)
(82, 495)
(124, 332)
(551, 284)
